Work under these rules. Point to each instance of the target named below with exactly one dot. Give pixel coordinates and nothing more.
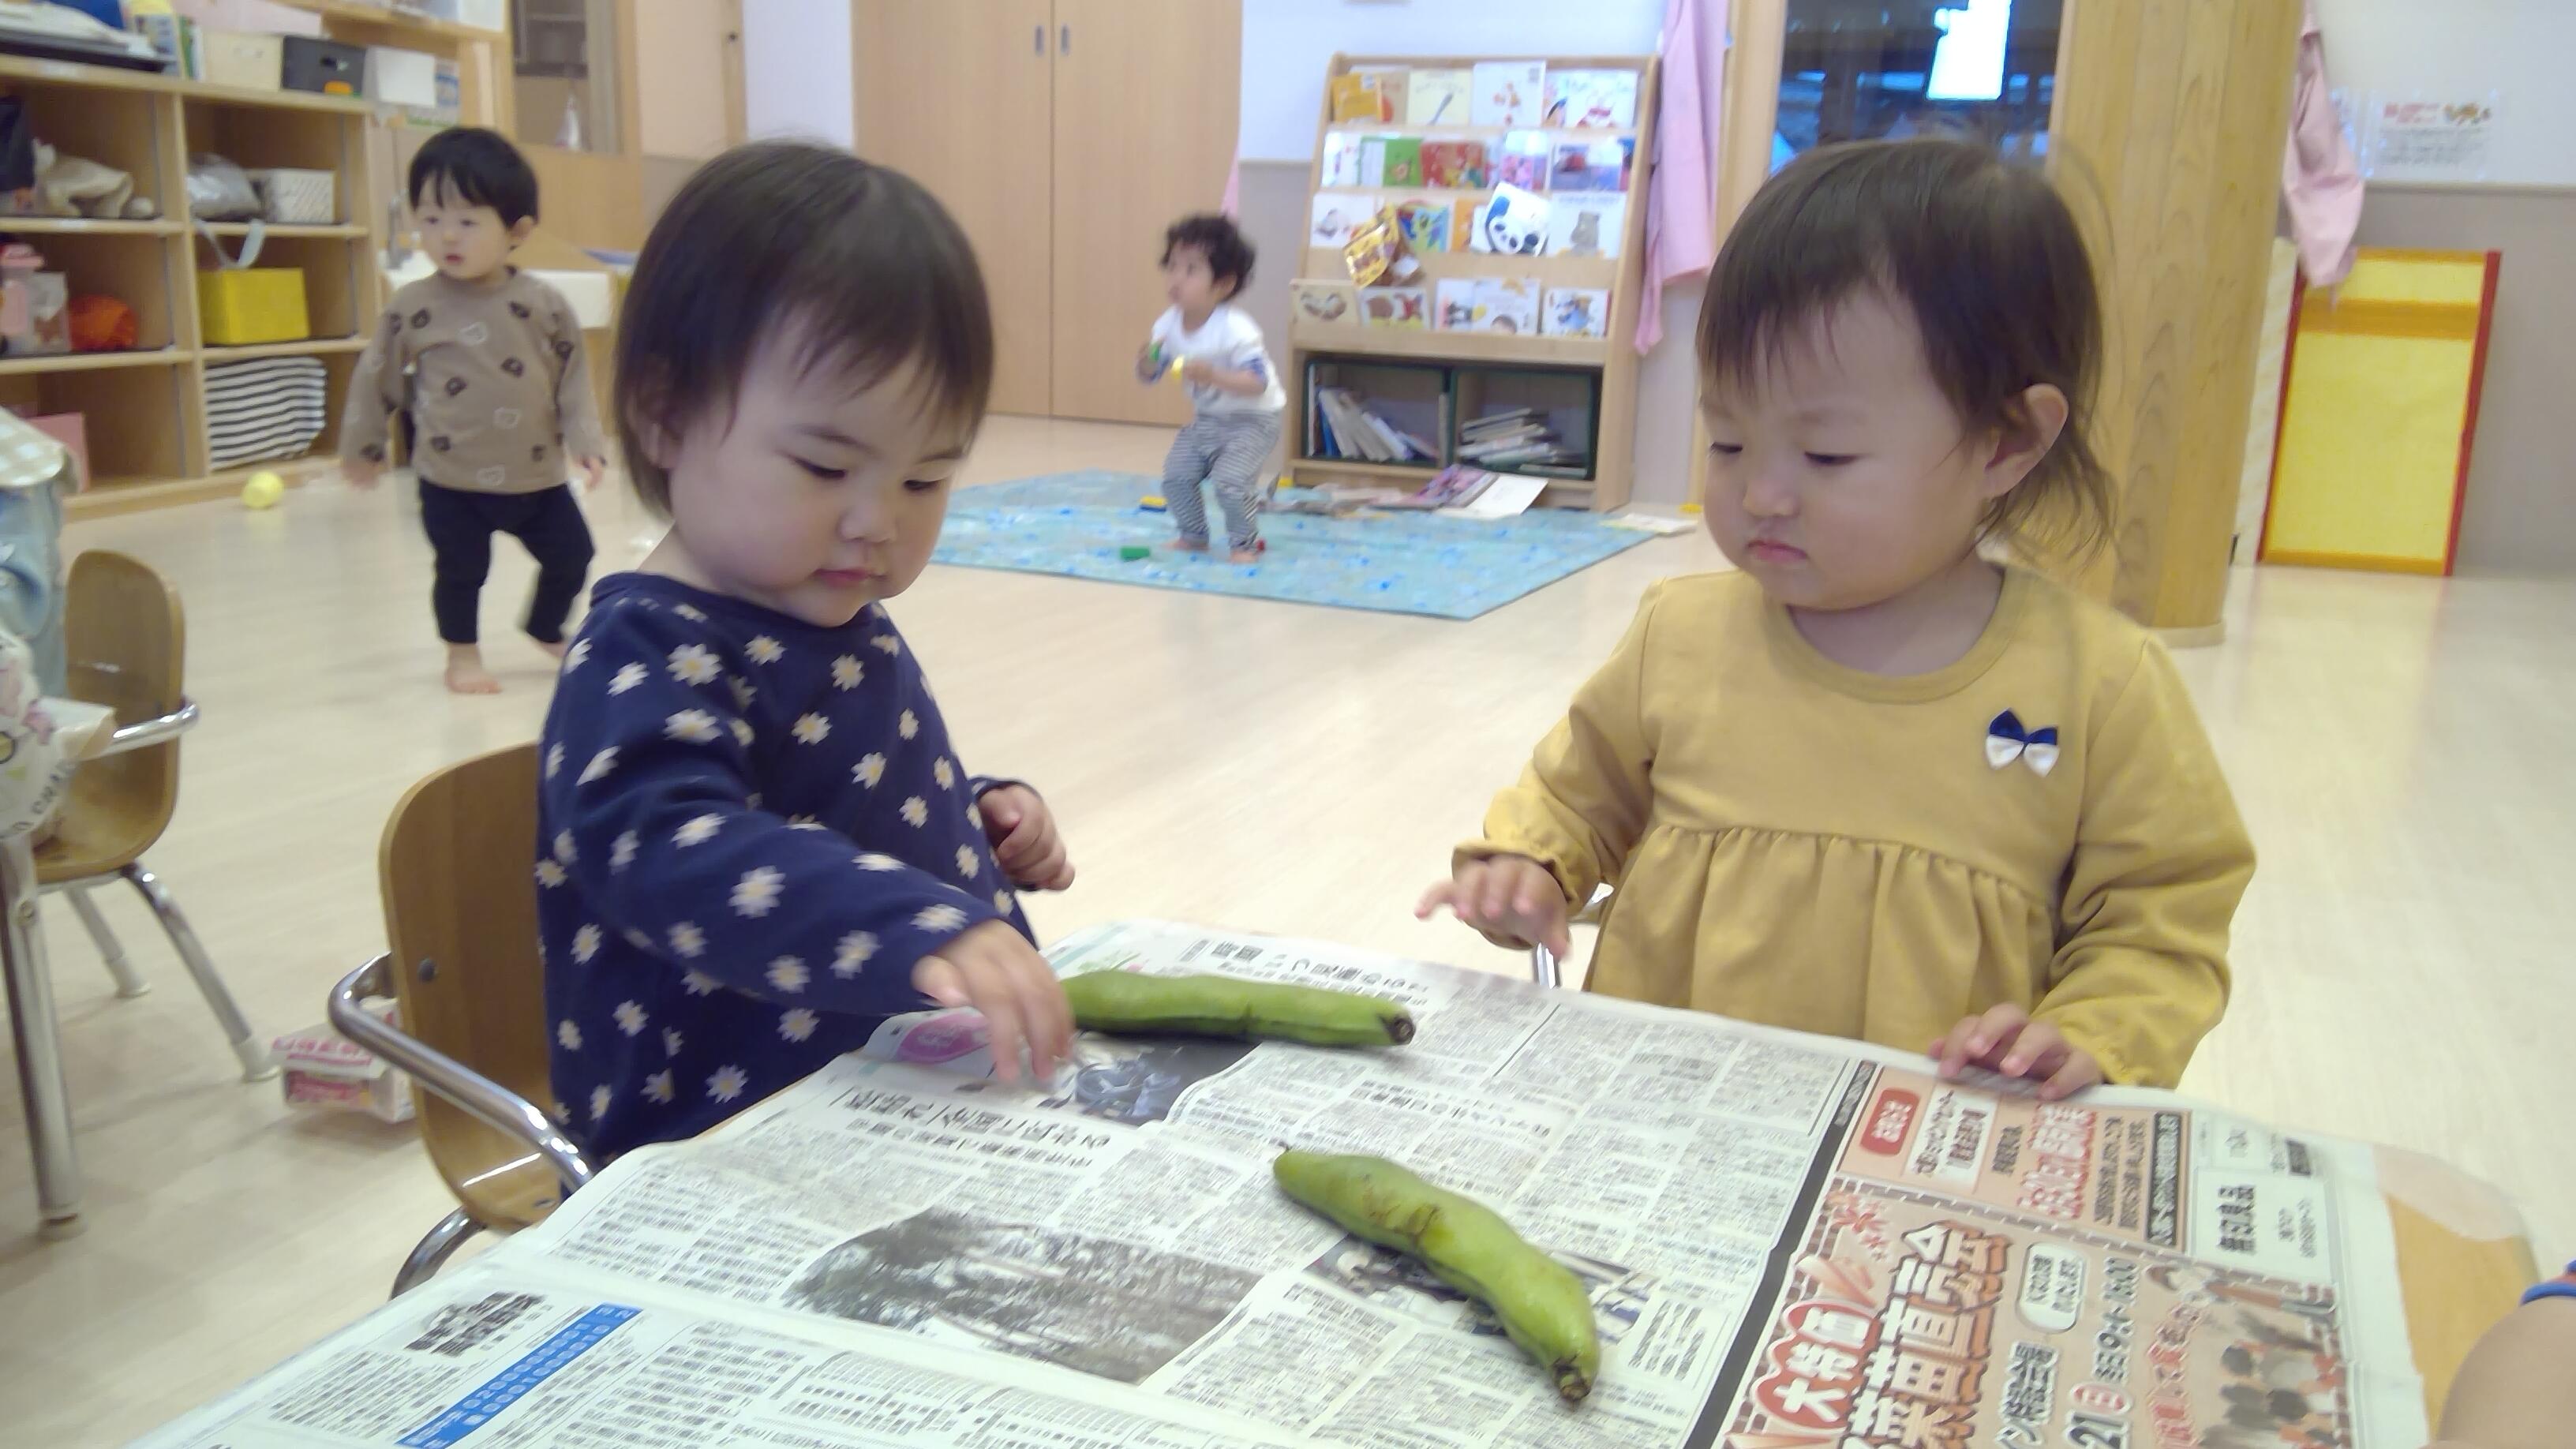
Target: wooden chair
(456, 871)
(126, 642)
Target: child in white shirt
(1206, 261)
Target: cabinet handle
(1037, 41)
(1064, 40)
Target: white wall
(1287, 44)
(2461, 50)
(796, 69)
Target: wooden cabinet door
(957, 95)
(1145, 104)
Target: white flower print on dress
(690, 612)
(699, 983)
(550, 874)
(694, 664)
(568, 1035)
(697, 831)
(944, 773)
(857, 949)
(742, 732)
(797, 1024)
(888, 643)
(969, 864)
(869, 770)
(756, 894)
(878, 863)
(626, 678)
(690, 726)
(554, 760)
(804, 822)
(577, 656)
(621, 852)
(727, 1083)
(657, 1088)
(1003, 902)
(639, 941)
(585, 943)
(743, 691)
(599, 766)
(916, 812)
(789, 974)
(810, 729)
(939, 920)
(630, 1017)
(764, 650)
(688, 940)
(975, 816)
(847, 672)
(598, 1103)
(909, 725)
(563, 847)
(671, 1041)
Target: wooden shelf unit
(1610, 356)
(145, 410)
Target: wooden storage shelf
(146, 409)
(355, 12)
(1429, 345)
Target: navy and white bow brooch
(2007, 740)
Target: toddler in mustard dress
(1873, 784)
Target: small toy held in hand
(1165, 368)
(263, 490)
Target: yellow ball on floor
(263, 490)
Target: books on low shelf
(1518, 439)
(1343, 424)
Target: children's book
(1457, 311)
(1462, 222)
(1372, 163)
(1335, 215)
(1586, 225)
(1592, 99)
(1591, 165)
(1576, 312)
(1454, 165)
(1391, 84)
(1508, 304)
(1355, 98)
(1513, 223)
(1333, 302)
(1403, 166)
(1438, 97)
(1426, 225)
(1407, 307)
(1342, 158)
(1509, 93)
(1521, 158)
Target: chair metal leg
(1543, 966)
(40, 1049)
(433, 1251)
(129, 982)
(255, 1061)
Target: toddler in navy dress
(757, 839)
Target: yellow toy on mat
(263, 491)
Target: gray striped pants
(1231, 450)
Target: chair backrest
(126, 641)
(457, 870)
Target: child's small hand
(2006, 1040)
(993, 969)
(593, 468)
(1198, 370)
(1511, 898)
(361, 473)
(1024, 838)
(1149, 365)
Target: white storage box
(326, 1069)
(252, 62)
(294, 197)
(401, 77)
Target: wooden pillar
(2166, 139)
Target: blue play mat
(1073, 524)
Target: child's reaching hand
(593, 468)
(361, 473)
(2004, 1039)
(1511, 898)
(1024, 838)
(993, 969)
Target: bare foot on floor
(1191, 545)
(465, 671)
(1244, 556)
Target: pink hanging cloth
(1681, 197)
(2320, 179)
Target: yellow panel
(2386, 276)
(2370, 447)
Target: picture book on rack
(1521, 159)
(1341, 159)
(1426, 225)
(1513, 223)
(1576, 312)
(1403, 162)
(1336, 215)
(1583, 225)
(1359, 96)
(1457, 304)
(1509, 93)
(1394, 307)
(1439, 97)
(1592, 99)
(1332, 302)
(1507, 304)
(1454, 165)
(1592, 165)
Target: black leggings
(460, 525)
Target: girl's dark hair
(1229, 256)
(1988, 259)
(865, 269)
(480, 167)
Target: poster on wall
(2429, 140)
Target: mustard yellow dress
(1802, 844)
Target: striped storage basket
(270, 407)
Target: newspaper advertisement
(1788, 1241)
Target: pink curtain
(1681, 198)
(2320, 180)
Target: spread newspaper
(1790, 1242)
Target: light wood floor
(2399, 746)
